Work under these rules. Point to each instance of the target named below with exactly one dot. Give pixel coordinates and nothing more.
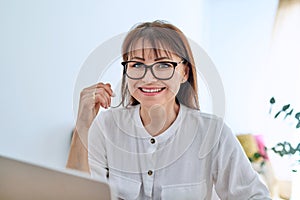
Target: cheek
(174, 83)
(178, 75)
(131, 86)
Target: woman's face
(149, 91)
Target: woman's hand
(91, 99)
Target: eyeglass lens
(162, 70)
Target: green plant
(285, 110)
(285, 148)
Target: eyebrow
(156, 59)
(137, 58)
(161, 58)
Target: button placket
(148, 182)
(152, 145)
(148, 175)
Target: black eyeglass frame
(146, 67)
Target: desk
(288, 188)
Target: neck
(158, 118)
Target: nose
(149, 78)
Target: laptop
(22, 180)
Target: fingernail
(113, 94)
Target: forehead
(150, 54)
(149, 50)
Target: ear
(185, 74)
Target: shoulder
(200, 119)
(211, 129)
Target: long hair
(167, 38)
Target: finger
(104, 90)
(97, 108)
(102, 101)
(103, 96)
(107, 87)
(94, 86)
(109, 96)
(93, 101)
(94, 97)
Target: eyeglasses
(160, 70)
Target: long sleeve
(233, 175)
(97, 152)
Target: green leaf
(272, 100)
(256, 155)
(290, 113)
(277, 114)
(284, 108)
(297, 115)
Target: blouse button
(150, 172)
(152, 140)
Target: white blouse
(197, 154)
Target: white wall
(239, 41)
(43, 45)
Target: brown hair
(169, 39)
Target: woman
(158, 145)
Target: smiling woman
(161, 41)
(158, 145)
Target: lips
(151, 90)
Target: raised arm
(91, 99)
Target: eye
(164, 65)
(136, 65)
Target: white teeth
(151, 90)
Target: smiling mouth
(151, 90)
